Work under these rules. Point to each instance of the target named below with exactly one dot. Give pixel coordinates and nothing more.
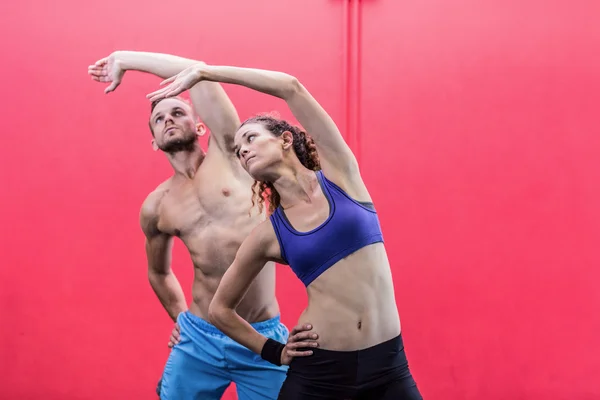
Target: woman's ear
(287, 139)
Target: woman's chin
(250, 169)
(256, 171)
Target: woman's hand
(299, 344)
(179, 83)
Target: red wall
(479, 137)
(474, 125)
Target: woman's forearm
(232, 325)
(278, 84)
(161, 65)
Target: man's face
(173, 126)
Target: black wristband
(271, 351)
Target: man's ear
(200, 129)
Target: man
(207, 205)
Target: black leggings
(378, 373)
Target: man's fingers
(100, 78)
(96, 72)
(101, 61)
(111, 87)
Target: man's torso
(212, 214)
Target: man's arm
(336, 158)
(209, 99)
(218, 113)
(158, 252)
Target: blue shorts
(205, 362)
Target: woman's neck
(295, 185)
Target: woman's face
(258, 149)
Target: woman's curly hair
(305, 150)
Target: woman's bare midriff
(352, 305)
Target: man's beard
(175, 146)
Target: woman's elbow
(292, 87)
(216, 314)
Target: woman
(324, 226)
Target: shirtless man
(207, 205)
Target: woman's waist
(349, 327)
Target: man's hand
(175, 336)
(108, 69)
(300, 341)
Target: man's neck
(186, 162)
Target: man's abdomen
(213, 251)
